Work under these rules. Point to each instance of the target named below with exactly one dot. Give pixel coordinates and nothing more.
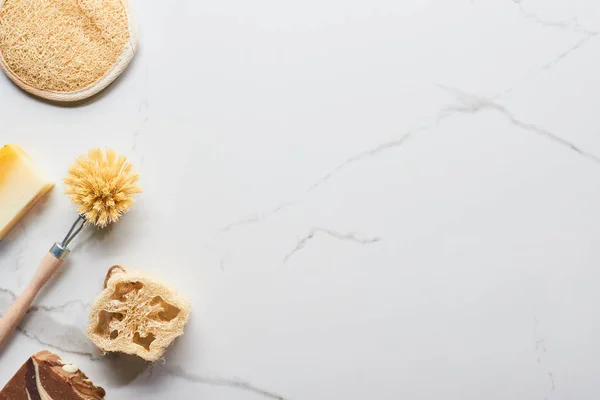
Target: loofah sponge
(136, 314)
(65, 50)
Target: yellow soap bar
(22, 184)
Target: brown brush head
(102, 185)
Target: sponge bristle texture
(62, 45)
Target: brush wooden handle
(9, 322)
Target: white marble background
(374, 199)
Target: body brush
(102, 185)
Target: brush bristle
(102, 186)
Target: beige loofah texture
(65, 50)
(102, 186)
(136, 314)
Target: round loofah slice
(136, 314)
(66, 50)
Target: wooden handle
(17, 310)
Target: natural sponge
(65, 50)
(136, 314)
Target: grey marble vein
(472, 104)
(179, 372)
(257, 217)
(9, 292)
(569, 24)
(33, 336)
(341, 236)
(363, 155)
(540, 348)
(53, 326)
(142, 109)
(59, 307)
(550, 64)
(568, 51)
(21, 249)
(392, 144)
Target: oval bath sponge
(65, 50)
(136, 314)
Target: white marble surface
(363, 199)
